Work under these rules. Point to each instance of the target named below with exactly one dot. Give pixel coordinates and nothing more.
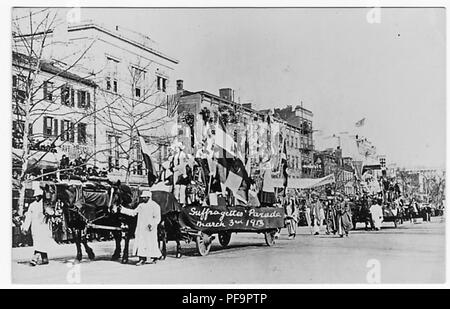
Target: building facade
(262, 132)
(61, 113)
(300, 118)
(134, 96)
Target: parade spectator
(316, 213)
(40, 230)
(376, 212)
(344, 217)
(330, 217)
(291, 212)
(146, 241)
(305, 207)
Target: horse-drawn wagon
(201, 223)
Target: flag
(268, 183)
(224, 141)
(233, 182)
(284, 165)
(146, 153)
(360, 123)
(247, 154)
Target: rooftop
(240, 106)
(132, 37)
(50, 67)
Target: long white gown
(40, 230)
(377, 215)
(146, 241)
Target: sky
(342, 67)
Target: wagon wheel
(270, 237)
(224, 238)
(204, 243)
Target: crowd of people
(339, 213)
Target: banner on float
(232, 218)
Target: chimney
(179, 85)
(227, 94)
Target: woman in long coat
(344, 217)
(40, 229)
(146, 241)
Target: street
(412, 253)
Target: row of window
(295, 142)
(293, 161)
(138, 79)
(68, 95)
(66, 131)
(114, 148)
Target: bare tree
(141, 109)
(37, 87)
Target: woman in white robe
(146, 241)
(40, 230)
(376, 212)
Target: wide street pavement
(411, 253)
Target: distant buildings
(244, 123)
(300, 118)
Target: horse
(170, 227)
(361, 213)
(90, 208)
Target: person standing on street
(36, 218)
(291, 217)
(146, 241)
(330, 216)
(376, 212)
(344, 217)
(317, 213)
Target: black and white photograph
(226, 145)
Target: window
(67, 95)
(161, 83)
(48, 126)
(65, 130)
(111, 74)
(138, 78)
(137, 158)
(137, 92)
(48, 90)
(82, 133)
(19, 89)
(17, 135)
(113, 156)
(84, 99)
